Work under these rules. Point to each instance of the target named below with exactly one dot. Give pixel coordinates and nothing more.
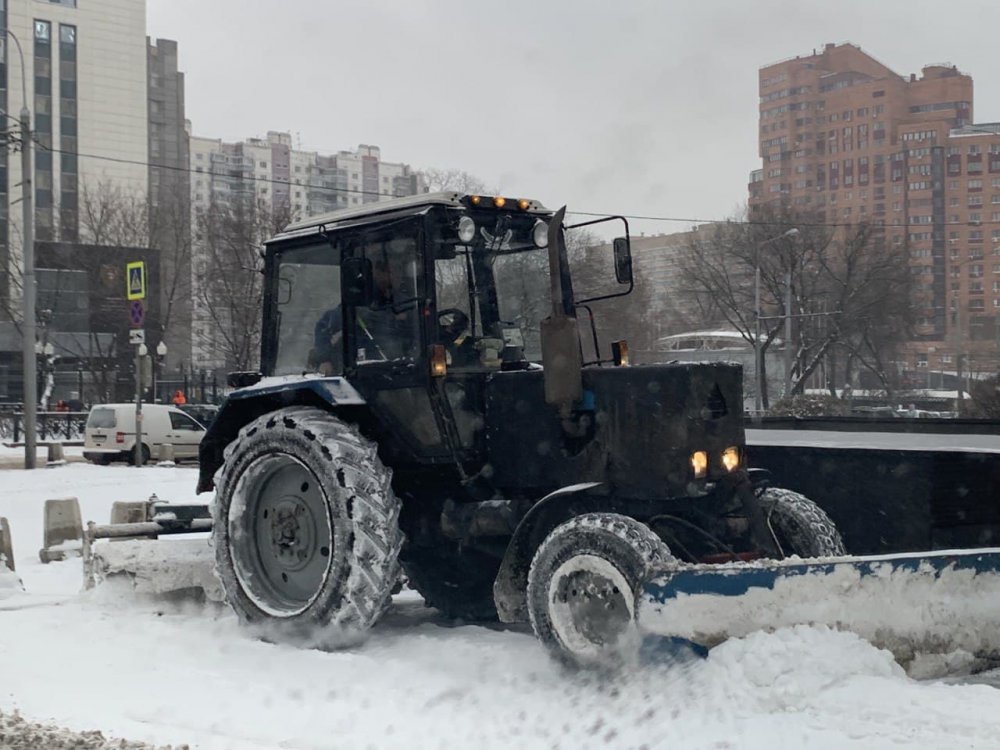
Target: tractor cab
(426, 286)
(417, 303)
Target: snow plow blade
(910, 604)
(135, 554)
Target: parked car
(110, 432)
(204, 413)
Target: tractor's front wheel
(306, 529)
(583, 583)
(800, 526)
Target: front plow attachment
(910, 604)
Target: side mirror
(358, 287)
(623, 260)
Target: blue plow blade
(910, 604)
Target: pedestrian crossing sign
(135, 280)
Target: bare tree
(456, 179)
(229, 292)
(850, 291)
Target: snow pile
(906, 611)
(160, 566)
(10, 583)
(162, 674)
(18, 734)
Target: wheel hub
(292, 540)
(591, 606)
(596, 606)
(282, 512)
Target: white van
(110, 432)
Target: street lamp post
(757, 351)
(161, 352)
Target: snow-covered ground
(146, 671)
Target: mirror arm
(588, 300)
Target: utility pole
(788, 329)
(140, 351)
(30, 388)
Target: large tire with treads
(802, 527)
(306, 529)
(582, 587)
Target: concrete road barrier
(56, 457)
(6, 545)
(129, 512)
(63, 530)
(165, 456)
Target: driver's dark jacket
(381, 333)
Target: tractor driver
(383, 331)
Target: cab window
(388, 329)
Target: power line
(632, 217)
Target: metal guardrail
(50, 425)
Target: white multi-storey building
(287, 181)
(85, 80)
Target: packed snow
(142, 669)
(888, 605)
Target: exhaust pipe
(561, 355)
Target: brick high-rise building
(847, 139)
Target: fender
(244, 405)
(509, 589)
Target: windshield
(493, 290)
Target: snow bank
(908, 609)
(161, 674)
(10, 583)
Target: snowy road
(136, 670)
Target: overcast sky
(629, 107)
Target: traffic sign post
(135, 280)
(138, 396)
(135, 292)
(136, 313)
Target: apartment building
(84, 76)
(273, 172)
(169, 196)
(848, 140)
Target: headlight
(540, 234)
(699, 464)
(731, 458)
(466, 229)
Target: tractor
(434, 401)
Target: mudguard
(512, 579)
(269, 394)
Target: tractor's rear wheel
(583, 583)
(802, 528)
(306, 529)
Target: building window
(43, 31)
(67, 34)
